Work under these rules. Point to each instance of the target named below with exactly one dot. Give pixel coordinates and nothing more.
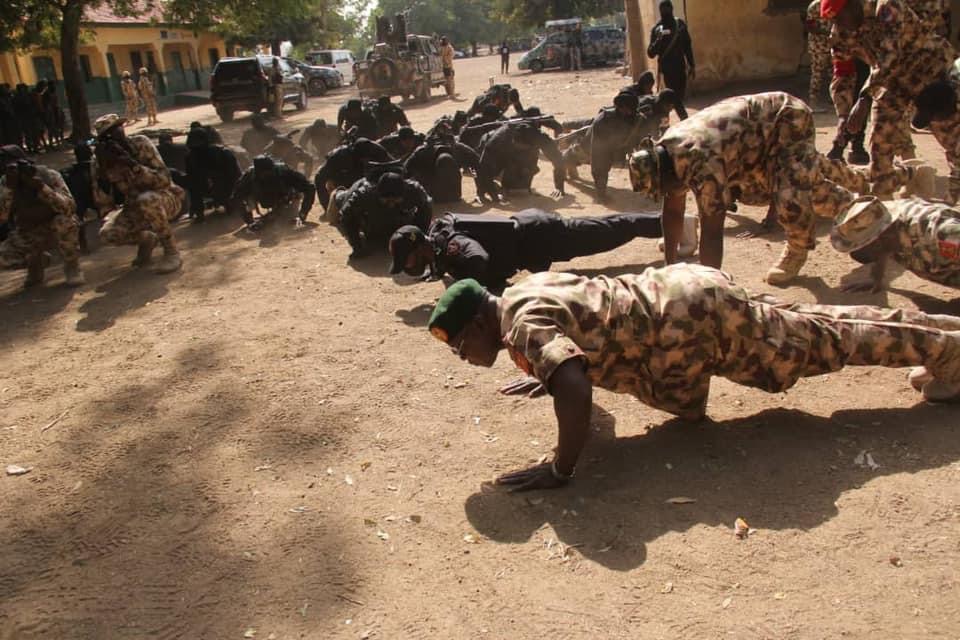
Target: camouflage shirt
(727, 151)
(929, 238)
(652, 335)
(128, 88)
(817, 28)
(150, 174)
(902, 50)
(52, 199)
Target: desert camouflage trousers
(891, 137)
(150, 104)
(147, 211)
(718, 328)
(133, 109)
(947, 133)
(820, 66)
(20, 246)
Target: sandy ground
(268, 444)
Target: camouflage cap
(125, 74)
(645, 169)
(860, 223)
(455, 309)
(105, 123)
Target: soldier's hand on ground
(538, 477)
(529, 386)
(557, 193)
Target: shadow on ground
(780, 469)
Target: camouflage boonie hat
(105, 123)
(644, 166)
(860, 223)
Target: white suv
(340, 59)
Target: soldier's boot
(919, 377)
(148, 240)
(858, 154)
(788, 266)
(922, 182)
(73, 275)
(940, 391)
(170, 261)
(36, 270)
(836, 153)
(689, 242)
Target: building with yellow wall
(179, 59)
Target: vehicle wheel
(226, 115)
(302, 100)
(318, 87)
(536, 66)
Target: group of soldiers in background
(136, 90)
(31, 118)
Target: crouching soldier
(275, 186)
(44, 217)
(370, 213)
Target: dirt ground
(268, 444)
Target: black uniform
(368, 222)
(497, 93)
(511, 153)
(492, 249)
(346, 164)
(389, 118)
(174, 154)
(213, 136)
(28, 115)
(437, 165)
(213, 171)
(670, 43)
(320, 138)
(352, 115)
(255, 139)
(279, 188)
(394, 144)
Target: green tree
(462, 22)
(533, 13)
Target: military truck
(400, 64)
(602, 45)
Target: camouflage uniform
(663, 334)
(39, 228)
(904, 56)
(131, 97)
(932, 14)
(760, 149)
(947, 133)
(928, 239)
(818, 47)
(151, 199)
(149, 95)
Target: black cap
(197, 138)
(353, 104)
(262, 163)
(257, 120)
(384, 99)
(390, 185)
(406, 133)
(402, 243)
(625, 99)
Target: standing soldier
(849, 75)
(818, 47)
(920, 235)
(133, 166)
(491, 249)
(149, 95)
(663, 334)
(276, 85)
(446, 59)
(44, 217)
(130, 96)
(504, 58)
(904, 56)
(670, 43)
(756, 148)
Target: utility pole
(637, 59)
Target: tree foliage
(461, 21)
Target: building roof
(146, 13)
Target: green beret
(456, 308)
